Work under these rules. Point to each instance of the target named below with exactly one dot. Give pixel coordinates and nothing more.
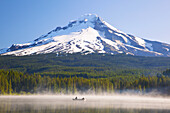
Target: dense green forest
(85, 65)
(76, 73)
(18, 82)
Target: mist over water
(94, 103)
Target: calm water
(93, 104)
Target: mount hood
(89, 34)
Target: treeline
(51, 63)
(14, 82)
(167, 72)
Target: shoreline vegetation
(84, 74)
(16, 83)
(152, 94)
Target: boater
(76, 98)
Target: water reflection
(99, 104)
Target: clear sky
(25, 20)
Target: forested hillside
(19, 83)
(93, 73)
(85, 65)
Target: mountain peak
(89, 34)
(88, 17)
(84, 22)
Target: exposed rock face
(89, 34)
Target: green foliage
(72, 73)
(167, 72)
(85, 65)
(19, 83)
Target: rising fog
(92, 101)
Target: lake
(93, 104)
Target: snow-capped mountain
(89, 34)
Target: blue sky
(25, 20)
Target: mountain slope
(98, 63)
(89, 34)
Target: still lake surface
(93, 104)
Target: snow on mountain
(89, 34)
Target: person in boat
(82, 98)
(76, 98)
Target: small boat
(80, 99)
